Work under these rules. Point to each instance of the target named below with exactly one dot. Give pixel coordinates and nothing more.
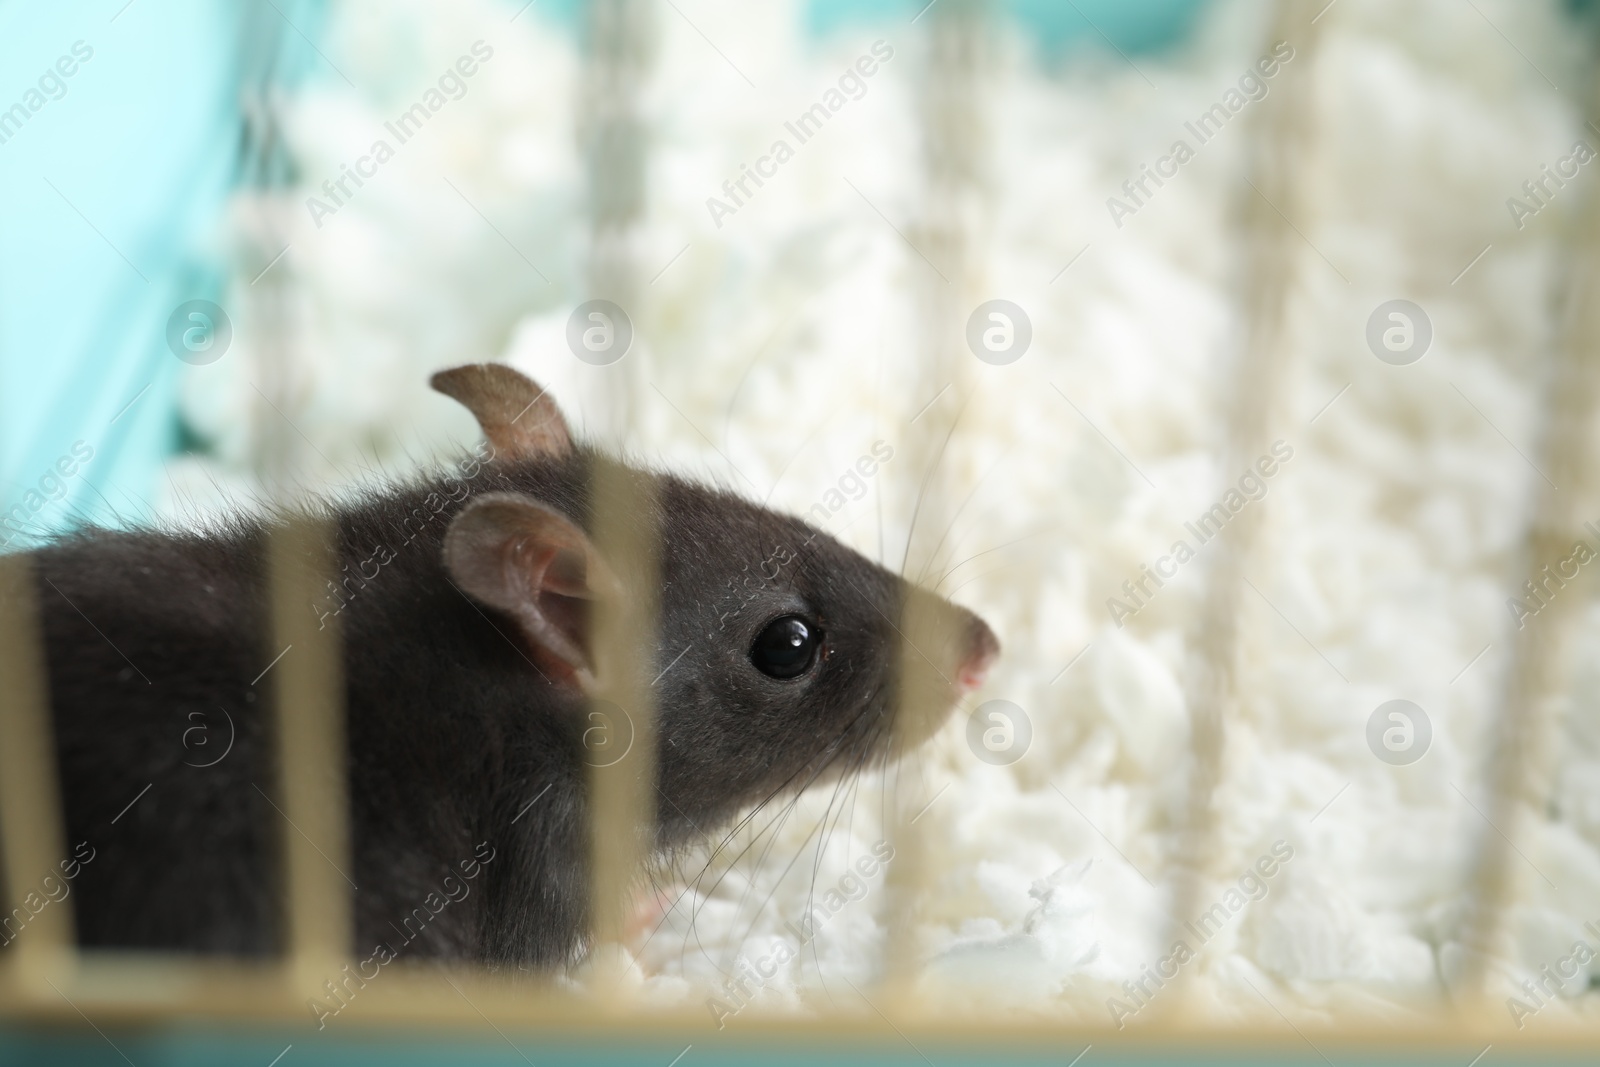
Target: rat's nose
(983, 648)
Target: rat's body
(466, 687)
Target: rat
(463, 603)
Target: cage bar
(1533, 695)
(312, 797)
(614, 141)
(954, 217)
(1275, 193)
(622, 784)
(32, 839)
(615, 145)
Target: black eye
(786, 648)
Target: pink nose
(983, 648)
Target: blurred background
(238, 237)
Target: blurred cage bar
(30, 812)
(951, 231)
(43, 976)
(614, 144)
(267, 206)
(1281, 142)
(1533, 697)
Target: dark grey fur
(452, 730)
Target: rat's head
(781, 657)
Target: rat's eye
(787, 647)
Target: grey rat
(463, 603)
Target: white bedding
(787, 337)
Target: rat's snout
(967, 648)
(947, 653)
(983, 648)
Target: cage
(1230, 358)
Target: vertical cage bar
(615, 145)
(301, 551)
(1533, 697)
(312, 796)
(266, 211)
(620, 742)
(921, 690)
(31, 832)
(953, 223)
(1281, 137)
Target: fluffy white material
(776, 349)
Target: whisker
(1037, 533)
(824, 759)
(927, 479)
(854, 782)
(971, 496)
(777, 883)
(794, 456)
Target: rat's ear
(513, 553)
(518, 417)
